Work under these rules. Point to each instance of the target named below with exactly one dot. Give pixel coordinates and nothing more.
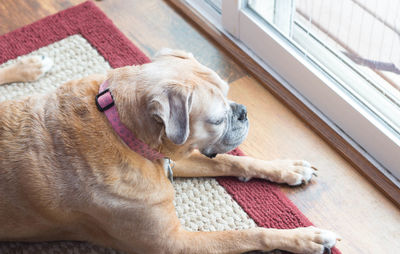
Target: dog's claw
(314, 168)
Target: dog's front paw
(291, 172)
(311, 240)
(32, 68)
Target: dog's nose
(239, 111)
(242, 113)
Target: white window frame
(303, 78)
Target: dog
(93, 160)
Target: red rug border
(89, 21)
(85, 19)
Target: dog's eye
(218, 122)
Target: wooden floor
(340, 199)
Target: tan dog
(66, 175)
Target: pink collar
(105, 103)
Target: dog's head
(177, 104)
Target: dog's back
(21, 131)
(34, 147)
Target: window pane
(356, 41)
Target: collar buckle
(109, 100)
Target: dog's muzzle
(236, 132)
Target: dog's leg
(292, 172)
(159, 231)
(300, 240)
(25, 70)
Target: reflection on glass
(364, 34)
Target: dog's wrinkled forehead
(181, 65)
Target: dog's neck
(105, 103)
(127, 87)
(132, 91)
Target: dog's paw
(291, 172)
(32, 68)
(311, 240)
(296, 172)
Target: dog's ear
(172, 52)
(172, 108)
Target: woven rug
(81, 41)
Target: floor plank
(340, 199)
